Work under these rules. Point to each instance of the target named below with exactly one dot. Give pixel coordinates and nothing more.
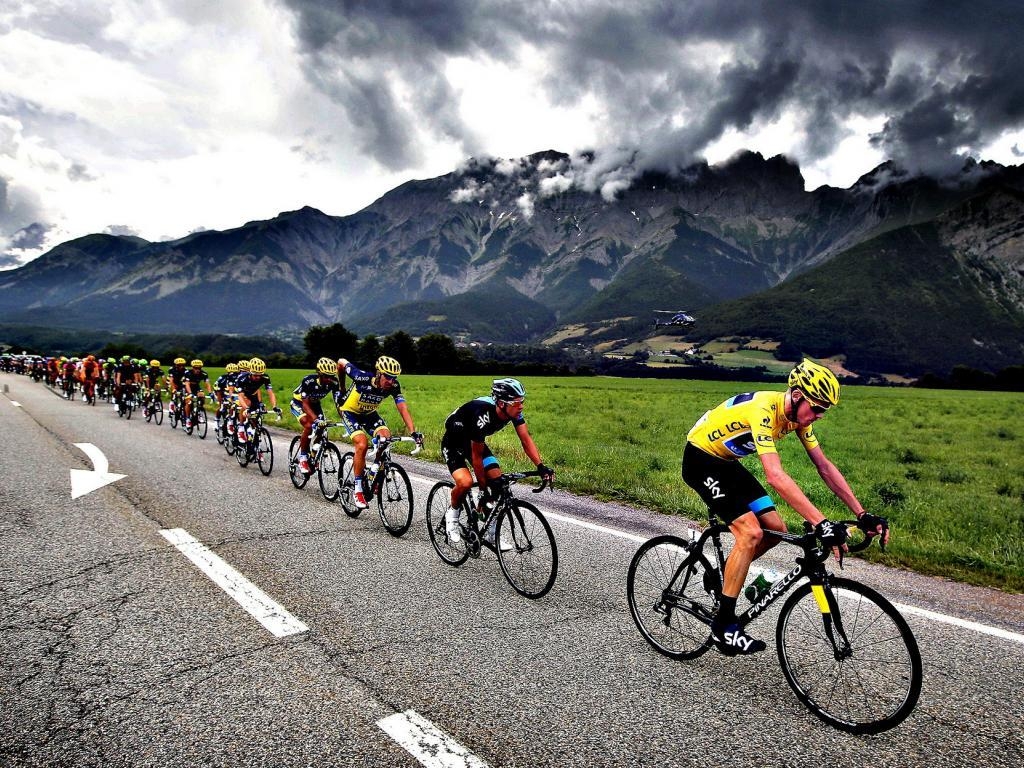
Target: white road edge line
(427, 743)
(902, 608)
(254, 600)
(964, 623)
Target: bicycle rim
(394, 500)
(298, 477)
(673, 616)
(526, 549)
(328, 471)
(871, 688)
(264, 451)
(438, 502)
(347, 490)
(201, 425)
(158, 413)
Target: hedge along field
(946, 467)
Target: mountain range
(897, 273)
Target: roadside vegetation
(946, 467)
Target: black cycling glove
(831, 534)
(869, 523)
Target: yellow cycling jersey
(746, 424)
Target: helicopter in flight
(676, 318)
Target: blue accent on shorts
(490, 461)
(762, 505)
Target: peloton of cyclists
(359, 406)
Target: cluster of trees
(1009, 379)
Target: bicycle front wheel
(438, 502)
(264, 451)
(849, 656)
(347, 486)
(328, 471)
(158, 412)
(394, 500)
(201, 424)
(526, 549)
(298, 477)
(668, 598)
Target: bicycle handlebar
(402, 439)
(546, 482)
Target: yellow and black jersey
(362, 396)
(745, 424)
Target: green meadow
(946, 467)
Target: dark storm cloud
(944, 76)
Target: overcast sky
(160, 117)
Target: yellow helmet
(231, 367)
(197, 363)
(179, 361)
(154, 363)
(816, 381)
(257, 366)
(243, 366)
(326, 366)
(388, 366)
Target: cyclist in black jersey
(194, 379)
(306, 405)
(248, 385)
(465, 431)
(744, 425)
(222, 390)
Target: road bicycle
(388, 484)
(846, 652)
(257, 446)
(220, 428)
(176, 408)
(153, 407)
(324, 460)
(127, 404)
(197, 422)
(523, 540)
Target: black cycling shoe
(731, 640)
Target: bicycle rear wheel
(870, 679)
(298, 477)
(438, 502)
(394, 500)
(264, 451)
(328, 471)
(667, 597)
(526, 549)
(347, 486)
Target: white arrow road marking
(254, 600)
(428, 743)
(15, 403)
(86, 481)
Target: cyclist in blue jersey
(306, 406)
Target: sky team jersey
(746, 424)
(311, 388)
(249, 386)
(362, 396)
(475, 420)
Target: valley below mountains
(894, 274)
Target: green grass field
(946, 467)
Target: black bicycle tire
(201, 425)
(298, 478)
(323, 469)
(504, 558)
(347, 486)
(434, 518)
(158, 412)
(696, 645)
(263, 432)
(381, 490)
(913, 689)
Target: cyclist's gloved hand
(418, 437)
(874, 525)
(831, 534)
(546, 473)
(277, 410)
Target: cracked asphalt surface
(116, 651)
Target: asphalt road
(116, 650)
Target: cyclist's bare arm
(787, 488)
(528, 445)
(836, 482)
(403, 410)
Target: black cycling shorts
(727, 487)
(458, 454)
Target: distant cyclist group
(744, 425)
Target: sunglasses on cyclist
(818, 409)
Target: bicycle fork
(831, 618)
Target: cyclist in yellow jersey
(751, 423)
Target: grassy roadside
(946, 467)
